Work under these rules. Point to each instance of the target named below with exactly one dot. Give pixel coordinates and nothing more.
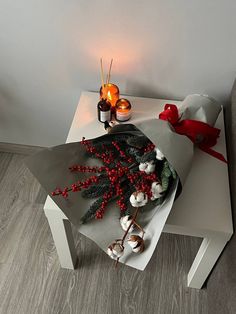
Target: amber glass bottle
(104, 110)
(111, 93)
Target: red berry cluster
(121, 201)
(117, 176)
(63, 192)
(145, 184)
(133, 177)
(122, 153)
(75, 187)
(121, 204)
(78, 168)
(106, 197)
(149, 147)
(107, 156)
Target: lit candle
(123, 110)
(111, 93)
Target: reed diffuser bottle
(104, 110)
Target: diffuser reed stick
(109, 73)
(102, 74)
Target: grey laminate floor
(31, 280)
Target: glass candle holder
(111, 93)
(123, 110)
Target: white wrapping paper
(51, 169)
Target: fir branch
(112, 137)
(138, 141)
(173, 172)
(92, 210)
(166, 170)
(95, 190)
(128, 193)
(165, 183)
(148, 156)
(159, 201)
(136, 153)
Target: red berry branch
(120, 176)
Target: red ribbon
(200, 133)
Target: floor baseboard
(19, 148)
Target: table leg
(205, 259)
(63, 238)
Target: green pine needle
(165, 183)
(95, 190)
(92, 210)
(173, 172)
(138, 141)
(148, 156)
(159, 201)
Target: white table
(203, 209)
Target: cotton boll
(125, 219)
(136, 243)
(159, 154)
(118, 250)
(115, 250)
(143, 166)
(132, 199)
(125, 222)
(110, 253)
(137, 249)
(151, 167)
(157, 187)
(138, 199)
(156, 190)
(132, 243)
(148, 166)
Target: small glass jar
(111, 93)
(104, 110)
(123, 110)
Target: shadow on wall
(6, 101)
(9, 113)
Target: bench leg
(63, 239)
(205, 260)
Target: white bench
(203, 209)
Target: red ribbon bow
(200, 133)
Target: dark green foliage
(92, 210)
(173, 172)
(120, 137)
(148, 156)
(138, 141)
(159, 201)
(165, 175)
(165, 183)
(166, 170)
(134, 152)
(129, 190)
(168, 174)
(95, 190)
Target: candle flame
(109, 95)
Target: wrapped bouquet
(129, 178)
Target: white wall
(50, 50)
